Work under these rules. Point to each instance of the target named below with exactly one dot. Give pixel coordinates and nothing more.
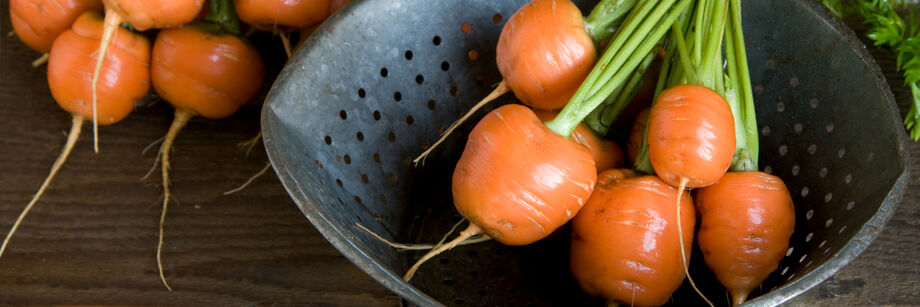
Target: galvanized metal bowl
(379, 81)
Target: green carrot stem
(747, 93)
(223, 14)
(576, 110)
(606, 17)
(711, 65)
(677, 36)
(629, 90)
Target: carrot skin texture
(126, 70)
(146, 14)
(691, 135)
(267, 15)
(746, 220)
(635, 136)
(607, 154)
(624, 241)
(38, 22)
(545, 75)
(212, 75)
(518, 180)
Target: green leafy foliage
(889, 28)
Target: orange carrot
(285, 16)
(142, 15)
(625, 245)
(607, 154)
(38, 22)
(545, 75)
(746, 220)
(71, 59)
(202, 71)
(516, 180)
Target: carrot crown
(221, 17)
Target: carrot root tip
(180, 119)
(465, 235)
(250, 180)
(42, 60)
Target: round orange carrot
(746, 220)
(625, 245)
(270, 15)
(607, 154)
(71, 59)
(38, 22)
(691, 136)
(516, 180)
(202, 70)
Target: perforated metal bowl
(379, 81)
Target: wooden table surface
(92, 237)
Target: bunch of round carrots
(101, 62)
(527, 171)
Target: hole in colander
(827, 250)
(803, 258)
(408, 54)
(809, 214)
(828, 222)
(785, 270)
(812, 149)
(391, 177)
(361, 93)
(771, 64)
(790, 277)
(798, 127)
(789, 251)
(823, 242)
(347, 159)
(768, 169)
(793, 82)
(814, 103)
(431, 104)
(436, 40)
(376, 115)
(466, 27)
(423, 144)
(339, 182)
(848, 178)
(480, 80)
(384, 72)
(392, 137)
(358, 199)
(397, 96)
(328, 140)
(829, 127)
(783, 149)
(828, 197)
(419, 79)
(445, 66)
(795, 170)
(809, 236)
(780, 106)
(383, 198)
(497, 18)
(377, 157)
(410, 120)
(804, 191)
(320, 164)
(453, 91)
(765, 131)
(343, 114)
(842, 228)
(364, 178)
(360, 136)
(472, 55)
(758, 89)
(841, 152)
(823, 172)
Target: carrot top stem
(738, 73)
(602, 117)
(640, 32)
(222, 17)
(606, 18)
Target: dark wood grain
(92, 238)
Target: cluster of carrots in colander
(100, 63)
(526, 171)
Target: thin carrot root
(287, 44)
(499, 90)
(112, 22)
(250, 180)
(251, 143)
(42, 60)
(404, 246)
(68, 147)
(680, 236)
(465, 235)
(180, 119)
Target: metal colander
(379, 82)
